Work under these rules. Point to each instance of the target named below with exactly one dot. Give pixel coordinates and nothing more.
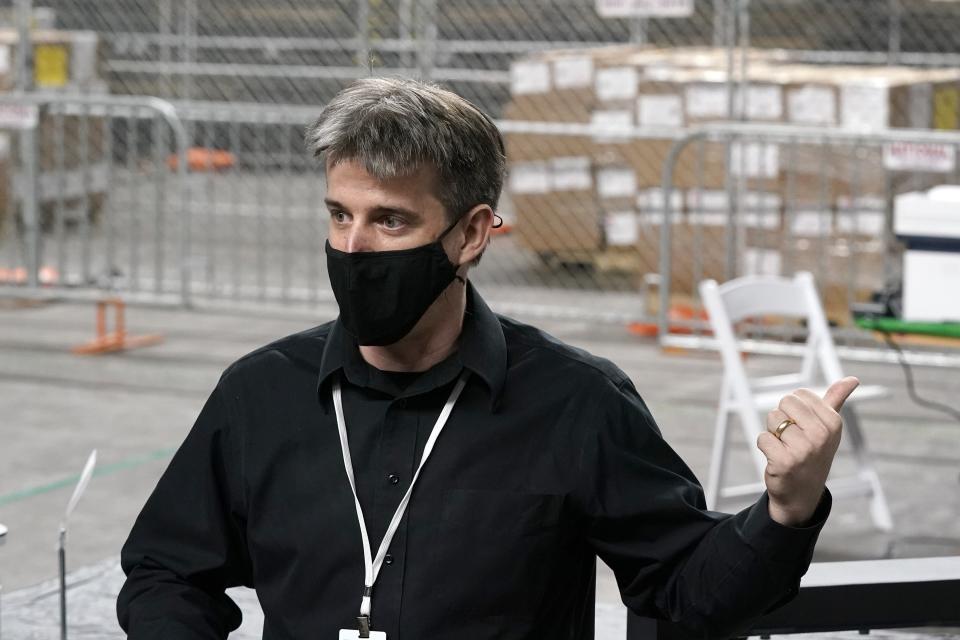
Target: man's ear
(475, 226)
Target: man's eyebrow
(406, 212)
(330, 202)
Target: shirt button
(393, 478)
(388, 559)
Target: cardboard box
(670, 90)
(845, 272)
(529, 147)
(877, 98)
(696, 254)
(566, 105)
(707, 98)
(558, 222)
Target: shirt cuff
(781, 543)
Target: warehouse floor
(136, 407)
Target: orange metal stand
(117, 340)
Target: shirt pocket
(501, 512)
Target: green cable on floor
(895, 325)
(103, 470)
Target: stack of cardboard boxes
(596, 196)
(71, 147)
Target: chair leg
(879, 507)
(718, 456)
(753, 426)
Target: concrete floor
(136, 407)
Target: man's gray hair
(392, 127)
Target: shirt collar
(482, 349)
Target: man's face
(367, 214)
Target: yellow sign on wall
(51, 65)
(946, 108)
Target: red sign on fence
(919, 156)
(18, 116)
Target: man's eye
(338, 216)
(392, 222)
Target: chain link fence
(591, 94)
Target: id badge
(353, 634)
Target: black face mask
(383, 294)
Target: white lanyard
(372, 567)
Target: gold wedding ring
(778, 432)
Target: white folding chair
(750, 399)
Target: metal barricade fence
(258, 224)
(773, 200)
(123, 206)
(91, 198)
(120, 205)
(256, 202)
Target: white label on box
(707, 198)
(918, 156)
(708, 218)
(862, 203)
(652, 219)
(762, 200)
(662, 110)
(571, 173)
(760, 220)
(755, 160)
(611, 125)
(865, 107)
(865, 215)
(529, 77)
(645, 8)
(616, 83)
(764, 102)
(871, 224)
(617, 182)
(83, 57)
(573, 72)
(19, 116)
(812, 104)
(920, 109)
(653, 199)
(866, 223)
(4, 58)
(810, 223)
(529, 177)
(620, 228)
(706, 100)
(761, 262)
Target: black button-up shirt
(550, 458)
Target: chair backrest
(756, 296)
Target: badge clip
(363, 624)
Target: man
(318, 474)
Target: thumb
(839, 391)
